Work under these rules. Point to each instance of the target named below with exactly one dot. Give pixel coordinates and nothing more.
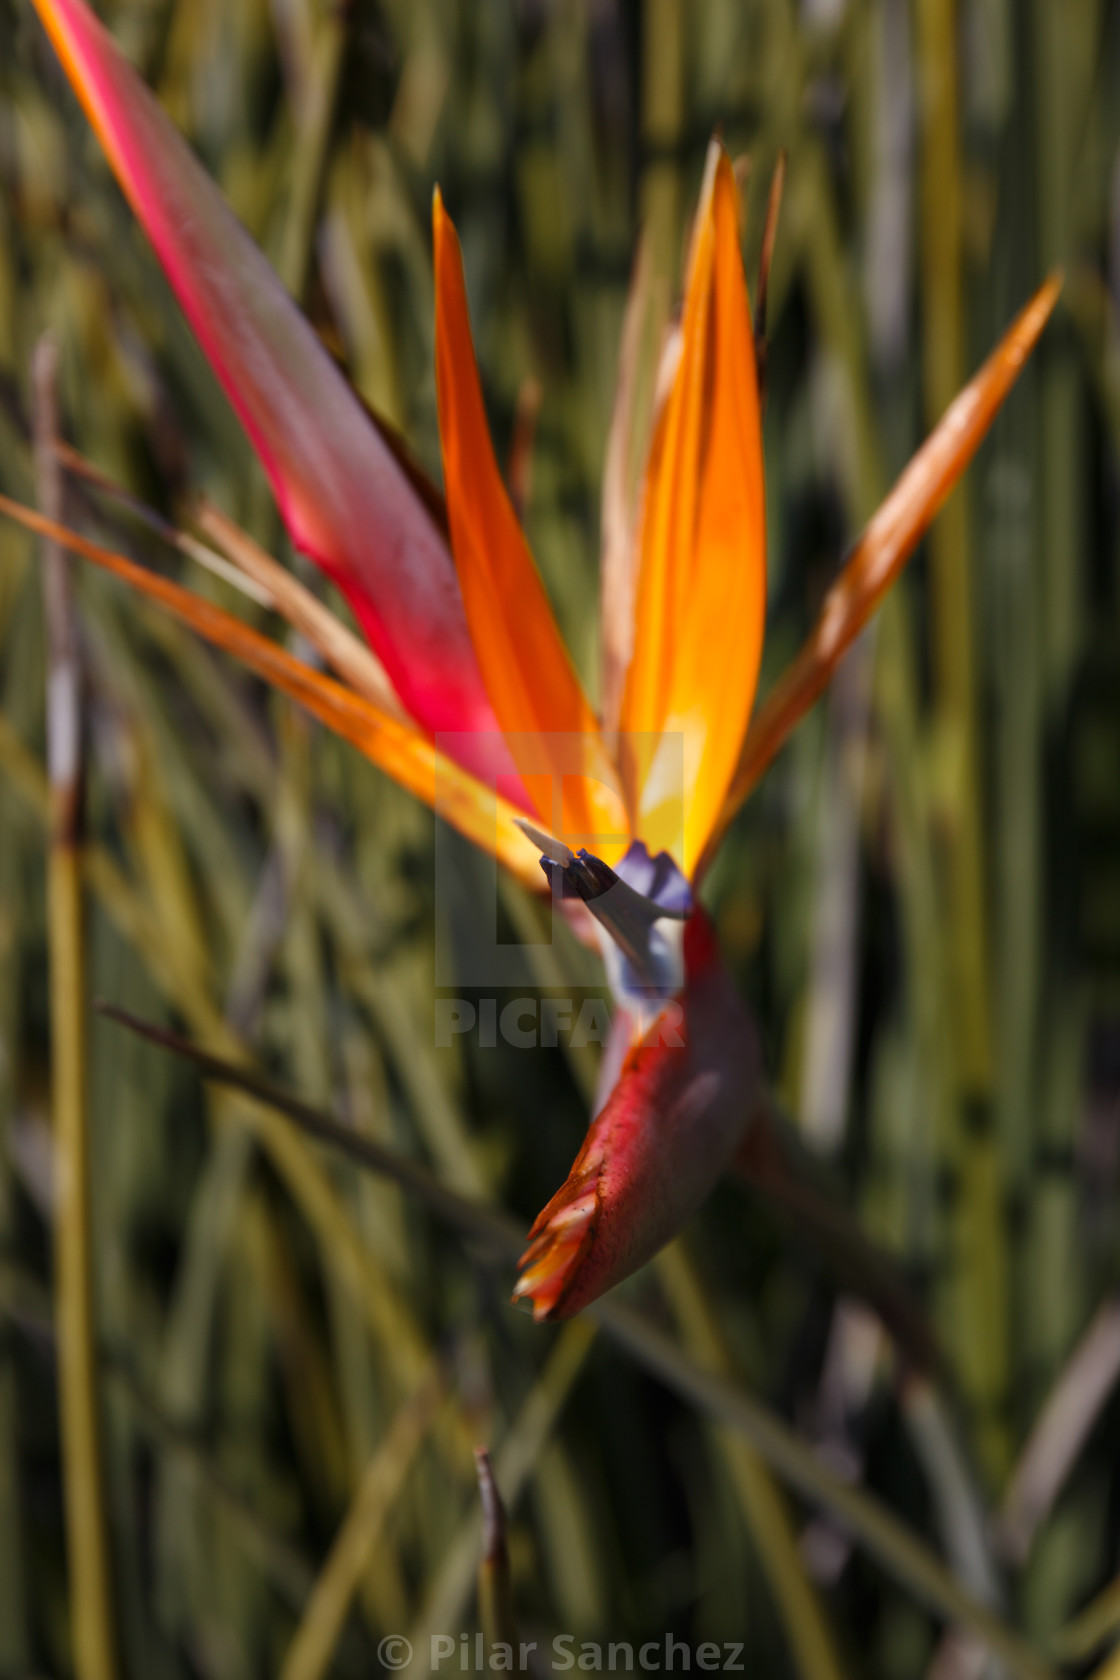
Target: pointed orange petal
(887, 543)
(528, 675)
(393, 744)
(701, 596)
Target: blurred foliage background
(922, 900)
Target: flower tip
(1038, 310)
(1028, 327)
(559, 1242)
(546, 843)
(493, 1511)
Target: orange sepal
(529, 677)
(394, 745)
(701, 597)
(885, 546)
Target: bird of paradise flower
(464, 691)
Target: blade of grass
(1053, 1446)
(357, 292)
(825, 1093)
(375, 986)
(448, 1594)
(1109, 1668)
(960, 1517)
(87, 1542)
(314, 113)
(519, 462)
(77, 464)
(474, 1218)
(284, 1566)
(15, 1650)
(780, 1172)
(950, 561)
(976, 1313)
(766, 1513)
(1091, 1627)
(766, 258)
(1066, 58)
(302, 957)
(663, 116)
(495, 1590)
(309, 1655)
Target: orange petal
(885, 546)
(529, 678)
(701, 596)
(393, 744)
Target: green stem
(90, 1591)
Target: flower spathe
(674, 1118)
(491, 708)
